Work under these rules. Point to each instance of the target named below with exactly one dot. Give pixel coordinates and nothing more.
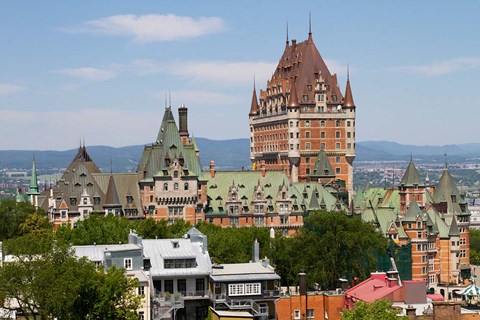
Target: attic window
(175, 244)
(129, 199)
(309, 87)
(454, 198)
(73, 201)
(334, 97)
(96, 200)
(305, 98)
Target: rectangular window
(127, 263)
(322, 134)
(182, 286)
(141, 315)
(307, 160)
(252, 288)
(337, 145)
(236, 289)
(310, 313)
(200, 286)
(296, 314)
(307, 146)
(337, 159)
(169, 286)
(307, 134)
(141, 291)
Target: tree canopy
(380, 309)
(330, 246)
(45, 280)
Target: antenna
(287, 34)
(446, 160)
(309, 23)
(111, 165)
(166, 100)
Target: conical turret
(293, 98)
(254, 108)
(348, 101)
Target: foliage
(36, 223)
(48, 281)
(12, 215)
(475, 239)
(234, 245)
(330, 246)
(380, 309)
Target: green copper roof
(19, 197)
(413, 212)
(33, 188)
(454, 231)
(322, 167)
(168, 145)
(448, 192)
(411, 176)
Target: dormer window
(96, 200)
(129, 199)
(73, 201)
(85, 200)
(454, 198)
(175, 174)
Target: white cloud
(212, 71)
(88, 73)
(199, 98)
(153, 27)
(442, 67)
(7, 89)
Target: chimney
(263, 170)
(256, 251)
(303, 283)
(294, 42)
(212, 169)
(183, 124)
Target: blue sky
(100, 70)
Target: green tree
(330, 246)
(380, 309)
(36, 223)
(48, 281)
(12, 215)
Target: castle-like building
(300, 113)
(431, 221)
(169, 184)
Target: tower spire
(254, 108)
(310, 27)
(348, 101)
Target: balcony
(271, 294)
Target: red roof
(378, 286)
(436, 297)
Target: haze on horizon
(101, 70)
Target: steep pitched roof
(454, 231)
(412, 212)
(169, 144)
(411, 176)
(322, 167)
(448, 192)
(293, 98)
(111, 198)
(254, 108)
(33, 188)
(83, 156)
(303, 64)
(348, 101)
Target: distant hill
(227, 154)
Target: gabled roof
(322, 167)
(411, 176)
(448, 192)
(413, 212)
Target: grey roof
(454, 231)
(231, 272)
(322, 167)
(159, 249)
(111, 198)
(411, 176)
(413, 211)
(445, 190)
(97, 252)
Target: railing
(240, 304)
(271, 293)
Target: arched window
(175, 186)
(185, 186)
(84, 200)
(175, 174)
(165, 186)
